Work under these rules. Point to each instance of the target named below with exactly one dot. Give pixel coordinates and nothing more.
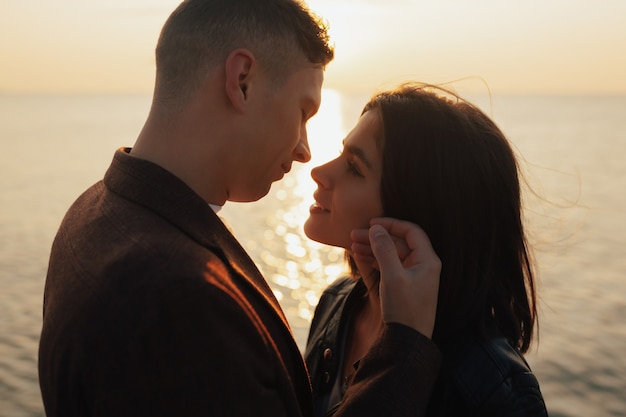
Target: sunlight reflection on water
(297, 268)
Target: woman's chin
(321, 238)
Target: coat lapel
(156, 188)
(240, 261)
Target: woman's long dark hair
(448, 168)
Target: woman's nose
(321, 175)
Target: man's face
(278, 133)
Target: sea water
(572, 150)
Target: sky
(504, 46)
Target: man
(151, 307)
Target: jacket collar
(157, 189)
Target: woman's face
(348, 187)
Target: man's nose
(302, 152)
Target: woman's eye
(353, 168)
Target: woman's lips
(317, 208)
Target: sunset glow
(519, 47)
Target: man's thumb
(384, 249)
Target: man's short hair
(200, 34)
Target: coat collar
(152, 186)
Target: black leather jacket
(480, 378)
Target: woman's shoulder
(341, 286)
(493, 376)
(333, 298)
(330, 308)
(495, 358)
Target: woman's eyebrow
(357, 152)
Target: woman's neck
(371, 279)
(366, 324)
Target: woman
(422, 154)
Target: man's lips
(285, 170)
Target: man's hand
(409, 271)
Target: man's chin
(250, 196)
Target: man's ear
(239, 66)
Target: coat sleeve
(396, 376)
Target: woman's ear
(240, 64)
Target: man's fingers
(412, 236)
(385, 251)
(360, 236)
(361, 246)
(408, 290)
(362, 249)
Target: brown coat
(152, 308)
